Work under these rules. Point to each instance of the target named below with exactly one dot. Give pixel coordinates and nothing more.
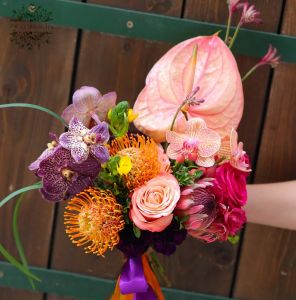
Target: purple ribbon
(133, 281)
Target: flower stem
(177, 112)
(38, 107)
(228, 28)
(235, 35)
(35, 186)
(249, 72)
(17, 239)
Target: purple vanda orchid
(88, 105)
(63, 178)
(52, 147)
(82, 141)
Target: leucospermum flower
(94, 219)
(143, 153)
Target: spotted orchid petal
(205, 162)
(217, 76)
(209, 142)
(77, 127)
(79, 152)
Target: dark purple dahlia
(63, 178)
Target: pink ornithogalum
(233, 5)
(89, 106)
(250, 14)
(198, 143)
(270, 58)
(82, 141)
(233, 152)
(216, 74)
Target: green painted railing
(79, 286)
(151, 26)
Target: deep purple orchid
(82, 141)
(52, 147)
(63, 178)
(89, 104)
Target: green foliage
(181, 221)
(233, 239)
(137, 231)
(118, 118)
(186, 173)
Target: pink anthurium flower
(198, 143)
(215, 72)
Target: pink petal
(175, 139)
(194, 126)
(209, 142)
(85, 99)
(106, 102)
(219, 80)
(205, 161)
(77, 127)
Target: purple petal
(53, 163)
(69, 140)
(102, 133)
(101, 153)
(79, 152)
(54, 183)
(78, 186)
(85, 99)
(89, 167)
(51, 197)
(76, 126)
(106, 102)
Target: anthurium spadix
(170, 80)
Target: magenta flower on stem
(52, 147)
(250, 14)
(270, 58)
(62, 177)
(89, 105)
(81, 141)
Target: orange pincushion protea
(93, 219)
(143, 153)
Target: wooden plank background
(263, 266)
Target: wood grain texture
(216, 263)
(41, 76)
(267, 267)
(110, 63)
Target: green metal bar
(79, 286)
(151, 26)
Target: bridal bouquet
(183, 173)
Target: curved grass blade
(35, 186)
(38, 107)
(14, 262)
(17, 239)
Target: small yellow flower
(131, 116)
(125, 165)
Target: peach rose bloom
(153, 203)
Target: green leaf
(35, 186)
(38, 107)
(14, 262)
(137, 231)
(17, 240)
(118, 118)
